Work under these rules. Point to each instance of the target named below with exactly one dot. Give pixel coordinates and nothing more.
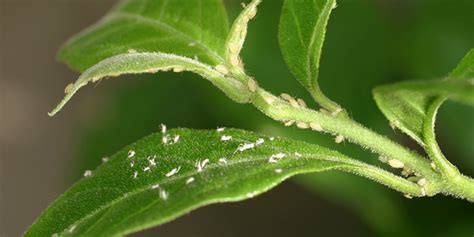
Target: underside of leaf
(135, 63)
(165, 175)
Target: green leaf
(301, 36)
(195, 29)
(134, 63)
(409, 106)
(162, 177)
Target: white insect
(135, 174)
(289, 123)
(164, 139)
(131, 153)
(220, 129)
(297, 154)
(223, 160)
(396, 163)
(316, 127)
(105, 159)
(302, 125)
(132, 163)
(155, 186)
(72, 228)
(87, 173)
(259, 141)
(276, 157)
(272, 138)
(163, 195)
(152, 161)
(132, 51)
(252, 85)
(226, 138)
(301, 103)
(189, 180)
(200, 165)
(176, 139)
(173, 172)
(146, 169)
(163, 128)
(278, 171)
(339, 139)
(222, 69)
(246, 146)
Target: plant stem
(281, 110)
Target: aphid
(276, 157)
(423, 191)
(251, 194)
(339, 139)
(294, 103)
(433, 165)
(336, 112)
(163, 195)
(155, 186)
(223, 160)
(220, 129)
(189, 180)
(132, 51)
(278, 171)
(422, 182)
(286, 97)
(178, 69)
(302, 125)
(289, 123)
(259, 141)
(233, 48)
(152, 70)
(163, 128)
(234, 60)
(131, 153)
(135, 174)
(301, 102)
(396, 163)
(222, 69)
(152, 161)
(105, 159)
(246, 146)
(87, 173)
(408, 196)
(252, 85)
(252, 13)
(146, 169)
(176, 139)
(269, 99)
(201, 164)
(164, 139)
(132, 163)
(297, 154)
(316, 127)
(272, 138)
(69, 88)
(173, 172)
(323, 111)
(72, 228)
(226, 138)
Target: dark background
(369, 42)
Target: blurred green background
(369, 43)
